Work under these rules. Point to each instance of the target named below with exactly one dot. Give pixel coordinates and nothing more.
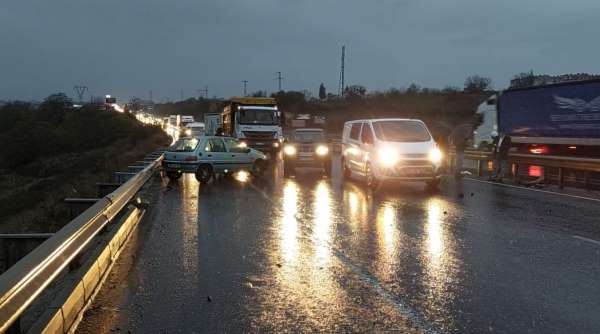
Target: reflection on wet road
(311, 254)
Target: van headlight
(435, 155)
(322, 150)
(388, 156)
(289, 150)
(188, 132)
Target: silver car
(209, 155)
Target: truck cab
(487, 111)
(255, 121)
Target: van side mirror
(247, 150)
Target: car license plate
(260, 144)
(416, 171)
(174, 165)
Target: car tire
(370, 179)
(345, 170)
(258, 167)
(174, 175)
(204, 173)
(288, 169)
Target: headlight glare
(435, 155)
(289, 150)
(322, 150)
(388, 156)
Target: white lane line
(402, 306)
(531, 189)
(587, 239)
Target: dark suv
(306, 148)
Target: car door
(216, 154)
(239, 155)
(354, 152)
(366, 144)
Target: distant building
(539, 80)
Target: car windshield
(184, 145)
(308, 136)
(401, 131)
(257, 116)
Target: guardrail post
(561, 177)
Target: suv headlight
(388, 156)
(289, 150)
(435, 155)
(322, 150)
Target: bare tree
(476, 83)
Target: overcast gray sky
(129, 47)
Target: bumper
(267, 145)
(408, 173)
(179, 166)
(307, 161)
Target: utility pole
(80, 90)
(341, 86)
(181, 94)
(245, 86)
(150, 95)
(279, 79)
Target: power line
(203, 92)
(80, 90)
(245, 86)
(341, 85)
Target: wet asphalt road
(312, 254)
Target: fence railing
(562, 163)
(23, 282)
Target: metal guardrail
(555, 161)
(23, 282)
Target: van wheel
(204, 173)
(345, 170)
(288, 169)
(258, 168)
(370, 179)
(174, 175)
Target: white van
(194, 130)
(390, 149)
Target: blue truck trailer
(558, 119)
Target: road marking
(403, 307)
(587, 239)
(531, 189)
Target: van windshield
(401, 131)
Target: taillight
(538, 150)
(191, 158)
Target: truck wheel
(288, 169)
(174, 175)
(258, 168)
(204, 173)
(433, 184)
